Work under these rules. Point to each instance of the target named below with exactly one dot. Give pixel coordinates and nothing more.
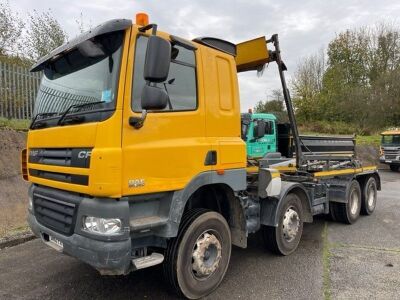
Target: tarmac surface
(333, 260)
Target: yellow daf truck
(390, 148)
(135, 158)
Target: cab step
(148, 261)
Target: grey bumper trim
(109, 258)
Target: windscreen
(391, 140)
(82, 81)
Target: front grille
(53, 211)
(64, 157)
(390, 156)
(62, 177)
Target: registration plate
(55, 243)
(388, 161)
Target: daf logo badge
(34, 153)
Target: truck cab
(390, 149)
(260, 134)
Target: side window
(269, 129)
(180, 85)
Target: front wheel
(285, 238)
(197, 259)
(394, 168)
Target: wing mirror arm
(137, 122)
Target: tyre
(394, 168)
(332, 211)
(285, 238)
(349, 212)
(197, 259)
(369, 196)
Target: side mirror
(158, 59)
(154, 98)
(156, 69)
(259, 129)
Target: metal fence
(18, 89)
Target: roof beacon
(142, 19)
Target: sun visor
(107, 27)
(251, 55)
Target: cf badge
(84, 154)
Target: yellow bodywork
(319, 174)
(169, 150)
(251, 54)
(395, 131)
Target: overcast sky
(304, 26)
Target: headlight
(30, 203)
(101, 225)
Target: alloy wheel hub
(206, 255)
(291, 224)
(354, 203)
(371, 196)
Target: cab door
(170, 149)
(269, 139)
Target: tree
(11, 27)
(361, 80)
(83, 25)
(44, 34)
(271, 106)
(307, 86)
(357, 86)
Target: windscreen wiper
(36, 123)
(61, 121)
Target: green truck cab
(263, 134)
(259, 131)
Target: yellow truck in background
(390, 148)
(135, 158)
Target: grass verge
(372, 140)
(14, 124)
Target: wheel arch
(218, 193)
(216, 197)
(271, 205)
(363, 178)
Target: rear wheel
(394, 168)
(332, 211)
(285, 238)
(348, 212)
(369, 196)
(197, 259)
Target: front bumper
(108, 257)
(384, 160)
(59, 214)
